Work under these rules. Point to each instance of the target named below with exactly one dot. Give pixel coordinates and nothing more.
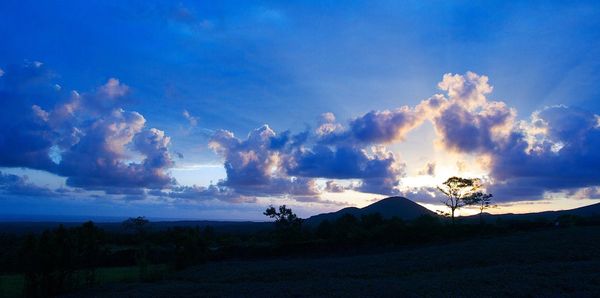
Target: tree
(90, 249)
(49, 263)
(287, 224)
(190, 248)
(460, 192)
(139, 225)
(284, 217)
(483, 201)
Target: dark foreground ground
(550, 263)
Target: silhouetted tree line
(62, 259)
(50, 260)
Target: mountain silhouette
(389, 207)
(585, 211)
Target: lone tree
(287, 224)
(284, 218)
(462, 192)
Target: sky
(217, 109)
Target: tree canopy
(461, 192)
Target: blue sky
(192, 70)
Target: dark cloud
(256, 166)
(384, 126)
(381, 185)
(563, 157)
(340, 163)
(473, 132)
(375, 127)
(25, 139)
(268, 164)
(380, 171)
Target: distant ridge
(585, 211)
(408, 210)
(389, 207)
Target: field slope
(549, 263)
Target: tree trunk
(453, 216)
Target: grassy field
(12, 285)
(550, 263)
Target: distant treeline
(62, 259)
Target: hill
(390, 207)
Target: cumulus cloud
(474, 131)
(469, 90)
(550, 152)
(553, 151)
(379, 170)
(25, 140)
(153, 144)
(113, 89)
(327, 125)
(562, 157)
(85, 137)
(267, 163)
(254, 166)
(465, 120)
(247, 162)
(384, 126)
(374, 127)
(100, 158)
(343, 162)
